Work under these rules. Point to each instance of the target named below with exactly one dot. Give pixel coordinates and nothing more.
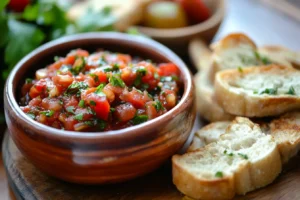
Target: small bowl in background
(178, 38)
(95, 157)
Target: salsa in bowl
(100, 91)
(108, 156)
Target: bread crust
(239, 102)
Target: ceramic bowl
(99, 157)
(178, 38)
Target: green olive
(165, 14)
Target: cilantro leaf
(47, 113)
(139, 119)
(291, 91)
(158, 105)
(18, 46)
(70, 109)
(99, 90)
(271, 91)
(79, 117)
(219, 174)
(76, 88)
(116, 81)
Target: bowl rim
(47, 131)
(215, 19)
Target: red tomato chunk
(100, 91)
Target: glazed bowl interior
(115, 42)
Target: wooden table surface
(263, 23)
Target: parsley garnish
(93, 103)
(79, 117)
(263, 59)
(28, 80)
(240, 69)
(243, 156)
(76, 88)
(291, 91)
(139, 119)
(70, 109)
(95, 77)
(158, 105)
(219, 174)
(116, 81)
(229, 154)
(271, 91)
(112, 109)
(142, 71)
(78, 66)
(47, 113)
(81, 104)
(101, 124)
(99, 90)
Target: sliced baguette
(200, 54)
(245, 93)
(208, 134)
(233, 51)
(254, 163)
(281, 55)
(207, 104)
(286, 132)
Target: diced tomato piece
(168, 69)
(101, 76)
(35, 101)
(69, 123)
(70, 101)
(79, 52)
(151, 110)
(128, 76)
(99, 104)
(149, 78)
(124, 112)
(136, 98)
(51, 104)
(69, 60)
(63, 80)
(38, 88)
(123, 57)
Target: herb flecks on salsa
(100, 91)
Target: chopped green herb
(81, 104)
(240, 69)
(138, 80)
(28, 80)
(142, 71)
(229, 154)
(47, 113)
(78, 65)
(116, 81)
(271, 91)
(139, 119)
(93, 103)
(219, 174)
(89, 123)
(144, 86)
(95, 77)
(116, 66)
(291, 91)
(70, 109)
(101, 124)
(265, 60)
(76, 88)
(31, 115)
(112, 109)
(79, 117)
(99, 90)
(158, 106)
(243, 156)
(255, 92)
(175, 78)
(91, 111)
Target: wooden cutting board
(29, 183)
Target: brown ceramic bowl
(178, 38)
(99, 157)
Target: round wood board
(27, 182)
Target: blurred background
(26, 24)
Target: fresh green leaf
(101, 124)
(139, 119)
(99, 90)
(229, 154)
(291, 91)
(96, 20)
(116, 81)
(243, 156)
(81, 104)
(112, 109)
(78, 66)
(20, 45)
(93, 103)
(76, 88)
(158, 106)
(240, 69)
(271, 91)
(28, 80)
(79, 117)
(219, 174)
(3, 4)
(70, 109)
(47, 113)
(95, 77)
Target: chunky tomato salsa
(100, 91)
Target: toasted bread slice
(281, 55)
(258, 91)
(234, 51)
(207, 104)
(286, 132)
(208, 134)
(200, 54)
(127, 12)
(242, 160)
